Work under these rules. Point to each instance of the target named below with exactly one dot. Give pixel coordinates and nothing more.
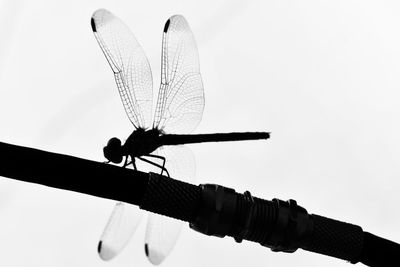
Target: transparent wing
(163, 232)
(180, 100)
(128, 62)
(122, 224)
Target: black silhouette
(180, 99)
(178, 111)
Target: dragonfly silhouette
(178, 110)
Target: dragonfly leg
(163, 169)
(133, 163)
(163, 164)
(126, 162)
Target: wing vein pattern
(179, 109)
(180, 100)
(129, 63)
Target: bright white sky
(322, 76)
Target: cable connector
(279, 225)
(217, 210)
(293, 225)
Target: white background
(322, 76)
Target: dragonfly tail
(180, 139)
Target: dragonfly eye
(112, 151)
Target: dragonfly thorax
(141, 142)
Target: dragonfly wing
(163, 232)
(128, 62)
(120, 227)
(161, 237)
(122, 223)
(180, 100)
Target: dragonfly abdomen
(180, 139)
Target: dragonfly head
(112, 151)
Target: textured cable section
(171, 198)
(264, 214)
(335, 238)
(240, 217)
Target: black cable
(210, 209)
(378, 251)
(72, 173)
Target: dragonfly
(159, 135)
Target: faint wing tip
(177, 16)
(105, 253)
(154, 257)
(100, 11)
(174, 17)
(100, 15)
